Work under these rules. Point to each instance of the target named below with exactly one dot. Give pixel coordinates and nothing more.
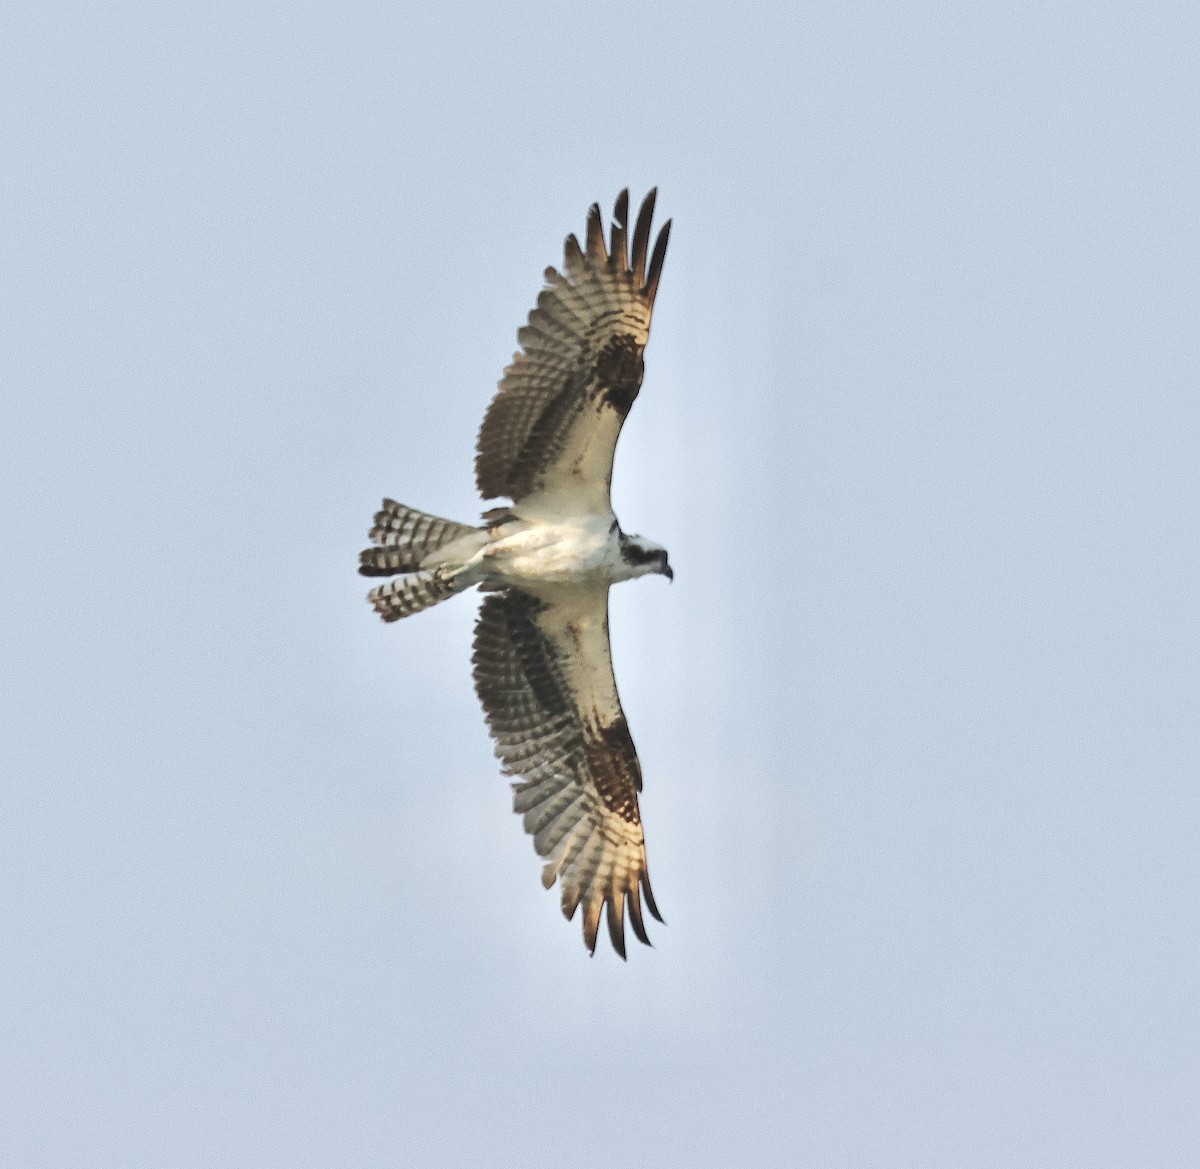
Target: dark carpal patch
(614, 768)
(619, 370)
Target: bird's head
(642, 557)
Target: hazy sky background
(919, 716)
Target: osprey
(543, 666)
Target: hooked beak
(667, 572)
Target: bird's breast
(563, 552)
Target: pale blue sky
(918, 717)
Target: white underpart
(571, 550)
(540, 552)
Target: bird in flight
(542, 661)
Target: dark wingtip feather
(656, 262)
(570, 902)
(595, 235)
(650, 897)
(614, 912)
(591, 930)
(617, 254)
(635, 916)
(641, 235)
(621, 208)
(572, 252)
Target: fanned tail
(410, 594)
(405, 537)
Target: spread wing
(544, 674)
(552, 428)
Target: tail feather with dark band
(412, 593)
(405, 537)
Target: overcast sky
(918, 717)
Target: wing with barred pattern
(552, 428)
(543, 671)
